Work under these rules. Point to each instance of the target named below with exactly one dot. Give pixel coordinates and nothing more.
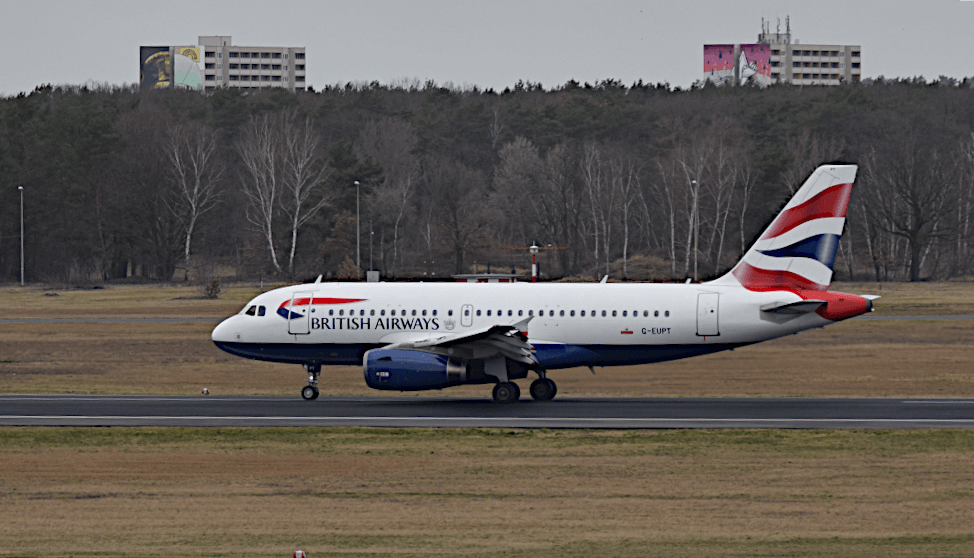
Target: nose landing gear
(310, 391)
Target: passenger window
(251, 311)
(393, 312)
(488, 312)
(530, 312)
(645, 313)
(434, 312)
(478, 312)
(561, 313)
(500, 312)
(341, 312)
(572, 313)
(603, 313)
(520, 313)
(623, 313)
(414, 312)
(372, 312)
(382, 312)
(582, 313)
(331, 312)
(424, 312)
(510, 312)
(667, 314)
(656, 313)
(593, 313)
(261, 310)
(613, 313)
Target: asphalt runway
(449, 412)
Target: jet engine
(411, 370)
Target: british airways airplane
(420, 336)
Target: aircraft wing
(509, 340)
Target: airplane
(424, 336)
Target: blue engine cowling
(411, 370)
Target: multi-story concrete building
(776, 59)
(246, 67)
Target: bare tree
(625, 181)
(259, 147)
(807, 152)
(196, 172)
(392, 142)
(912, 183)
(304, 172)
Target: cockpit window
(251, 311)
(261, 310)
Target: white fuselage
(571, 324)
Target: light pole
(358, 230)
(371, 236)
(696, 227)
(21, 188)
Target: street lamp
(21, 188)
(358, 230)
(696, 227)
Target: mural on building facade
(718, 63)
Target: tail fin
(797, 251)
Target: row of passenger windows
(581, 313)
(260, 311)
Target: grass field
(932, 358)
(375, 492)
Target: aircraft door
(707, 313)
(466, 315)
(299, 319)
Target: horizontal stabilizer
(800, 307)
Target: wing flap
(509, 340)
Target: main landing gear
(310, 391)
(542, 389)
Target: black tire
(309, 393)
(506, 392)
(316, 394)
(543, 390)
(554, 388)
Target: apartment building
(251, 67)
(776, 59)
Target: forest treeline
(639, 182)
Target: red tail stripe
(757, 279)
(305, 301)
(831, 202)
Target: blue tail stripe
(821, 248)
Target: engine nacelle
(411, 370)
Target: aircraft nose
(223, 332)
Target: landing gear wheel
(506, 392)
(309, 393)
(543, 389)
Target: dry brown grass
(334, 492)
(854, 358)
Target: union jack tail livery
(797, 251)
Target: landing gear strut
(543, 389)
(310, 391)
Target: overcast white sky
(485, 43)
